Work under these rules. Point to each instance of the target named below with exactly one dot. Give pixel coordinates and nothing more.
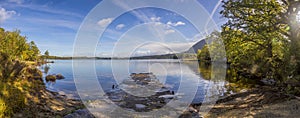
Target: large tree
(254, 36)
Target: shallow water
(178, 76)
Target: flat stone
(167, 96)
(140, 106)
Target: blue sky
(53, 24)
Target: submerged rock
(142, 78)
(142, 83)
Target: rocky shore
(29, 97)
(141, 93)
(47, 104)
(261, 102)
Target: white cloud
(155, 19)
(169, 31)
(163, 48)
(120, 26)
(179, 23)
(16, 1)
(104, 22)
(4, 14)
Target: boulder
(50, 78)
(60, 76)
(167, 96)
(140, 106)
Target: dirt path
(261, 102)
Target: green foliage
(46, 53)
(17, 47)
(262, 40)
(16, 85)
(213, 51)
(16, 76)
(203, 55)
(254, 36)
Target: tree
(34, 51)
(213, 50)
(203, 55)
(46, 54)
(16, 47)
(254, 36)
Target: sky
(53, 25)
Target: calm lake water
(172, 73)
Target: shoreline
(263, 101)
(50, 104)
(254, 102)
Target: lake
(177, 75)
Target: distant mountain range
(195, 47)
(193, 50)
(164, 56)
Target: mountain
(195, 47)
(165, 56)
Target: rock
(243, 90)
(81, 113)
(60, 76)
(192, 109)
(268, 81)
(140, 106)
(50, 78)
(141, 84)
(167, 96)
(50, 62)
(116, 98)
(142, 78)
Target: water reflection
(171, 73)
(46, 68)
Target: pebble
(167, 96)
(140, 106)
